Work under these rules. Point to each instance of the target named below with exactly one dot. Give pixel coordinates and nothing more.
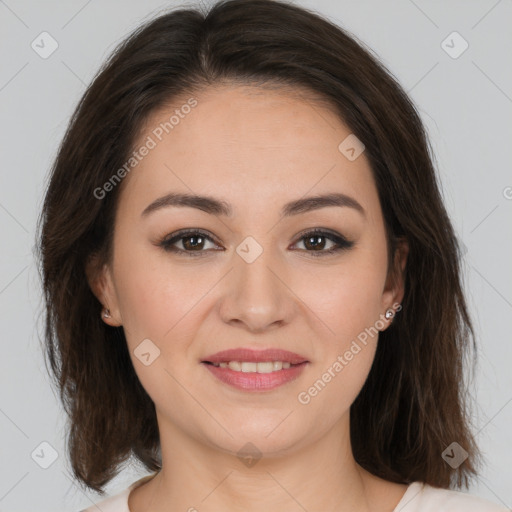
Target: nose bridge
(256, 295)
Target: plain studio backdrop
(453, 60)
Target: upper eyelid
(185, 233)
(314, 230)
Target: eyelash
(342, 243)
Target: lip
(253, 381)
(258, 356)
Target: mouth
(253, 370)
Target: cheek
(347, 300)
(345, 350)
(159, 299)
(336, 385)
(150, 299)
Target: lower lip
(254, 381)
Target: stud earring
(106, 313)
(389, 314)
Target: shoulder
(421, 497)
(116, 503)
(119, 501)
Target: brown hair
(414, 402)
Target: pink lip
(254, 381)
(248, 355)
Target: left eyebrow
(219, 207)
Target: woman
(251, 280)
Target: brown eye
(193, 243)
(315, 242)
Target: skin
(256, 149)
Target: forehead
(247, 142)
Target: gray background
(465, 103)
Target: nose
(257, 296)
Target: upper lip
(248, 355)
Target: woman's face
(255, 279)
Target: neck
(322, 475)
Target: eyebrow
(219, 207)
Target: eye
(316, 239)
(193, 242)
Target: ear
(99, 277)
(394, 288)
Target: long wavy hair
(414, 403)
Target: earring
(106, 313)
(389, 314)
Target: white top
(419, 497)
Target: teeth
(252, 367)
(249, 367)
(235, 365)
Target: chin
(264, 437)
